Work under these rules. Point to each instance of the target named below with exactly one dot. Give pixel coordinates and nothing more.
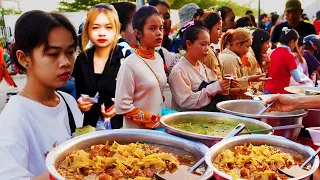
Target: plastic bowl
(315, 135)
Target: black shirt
(304, 29)
(87, 82)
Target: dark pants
(212, 106)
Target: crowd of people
(129, 57)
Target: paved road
(20, 80)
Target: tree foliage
(84, 5)
(213, 4)
(4, 11)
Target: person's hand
(225, 84)
(108, 113)
(283, 103)
(258, 77)
(265, 61)
(235, 83)
(84, 105)
(235, 93)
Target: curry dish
(213, 128)
(134, 161)
(256, 162)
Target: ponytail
(299, 54)
(240, 34)
(288, 35)
(225, 39)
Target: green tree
(3, 12)
(82, 5)
(213, 4)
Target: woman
(283, 63)
(212, 21)
(193, 84)
(258, 58)
(96, 68)
(316, 23)
(39, 118)
(275, 20)
(239, 41)
(141, 79)
(228, 18)
(164, 9)
(125, 11)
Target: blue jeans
(266, 92)
(69, 88)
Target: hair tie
(187, 25)
(286, 30)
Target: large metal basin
(196, 116)
(250, 108)
(58, 154)
(259, 140)
(312, 119)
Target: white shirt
(185, 81)
(137, 87)
(28, 131)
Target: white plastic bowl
(315, 135)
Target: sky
(49, 5)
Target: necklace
(30, 96)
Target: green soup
(213, 128)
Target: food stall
(137, 154)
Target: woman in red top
(316, 23)
(283, 64)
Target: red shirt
(316, 25)
(282, 63)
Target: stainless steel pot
(196, 116)
(259, 140)
(58, 154)
(250, 108)
(312, 119)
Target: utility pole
(259, 20)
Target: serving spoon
(185, 172)
(274, 128)
(296, 171)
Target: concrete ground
(20, 80)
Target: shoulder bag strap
(72, 123)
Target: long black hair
(125, 12)
(224, 10)
(210, 19)
(32, 30)
(260, 36)
(274, 19)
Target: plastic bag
(103, 124)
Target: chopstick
(274, 128)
